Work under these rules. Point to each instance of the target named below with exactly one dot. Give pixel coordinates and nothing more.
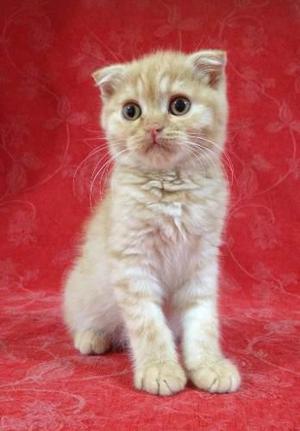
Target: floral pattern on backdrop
(53, 166)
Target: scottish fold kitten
(148, 267)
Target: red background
(49, 125)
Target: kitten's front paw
(218, 375)
(163, 378)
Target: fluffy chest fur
(164, 220)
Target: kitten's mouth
(158, 145)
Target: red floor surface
(49, 125)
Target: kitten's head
(166, 109)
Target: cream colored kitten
(148, 269)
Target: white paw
(163, 378)
(218, 375)
(91, 341)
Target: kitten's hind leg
(92, 341)
(90, 312)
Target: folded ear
(108, 78)
(209, 65)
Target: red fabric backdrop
(49, 125)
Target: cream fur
(148, 268)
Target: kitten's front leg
(157, 369)
(206, 365)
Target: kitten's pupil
(130, 111)
(180, 105)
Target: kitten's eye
(131, 111)
(179, 106)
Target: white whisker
(101, 170)
(91, 154)
(208, 154)
(226, 156)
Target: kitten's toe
(217, 375)
(91, 341)
(164, 378)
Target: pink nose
(154, 131)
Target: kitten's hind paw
(163, 378)
(91, 341)
(219, 375)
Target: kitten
(148, 269)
